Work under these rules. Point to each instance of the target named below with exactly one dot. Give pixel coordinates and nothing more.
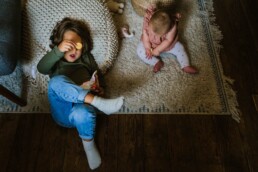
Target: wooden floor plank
(27, 139)
(75, 156)
(255, 100)
(207, 149)
(250, 12)
(156, 154)
(107, 137)
(130, 143)
(52, 147)
(181, 147)
(231, 143)
(8, 129)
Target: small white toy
(125, 33)
(92, 84)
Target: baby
(160, 35)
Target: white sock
(108, 106)
(92, 154)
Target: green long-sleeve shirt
(81, 70)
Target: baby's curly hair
(70, 24)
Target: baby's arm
(146, 43)
(171, 39)
(145, 37)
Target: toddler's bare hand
(100, 91)
(97, 90)
(66, 45)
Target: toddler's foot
(158, 66)
(108, 106)
(190, 69)
(92, 154)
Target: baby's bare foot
(190, 69)
(158, 66)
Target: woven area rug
(170, 91)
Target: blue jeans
(68, 108)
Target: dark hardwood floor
(155, 143)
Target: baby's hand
(155, 52)
(152, 6)
(178, 16)
(148, 53)
(66, 45)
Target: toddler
(70, 66)
(160, 34)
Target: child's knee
(56, 81)
(82, 114)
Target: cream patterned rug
(168, 92)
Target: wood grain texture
(158, 143)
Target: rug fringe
(232, 99)
(228, 82)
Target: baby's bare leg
(179, 51)
(142, 55)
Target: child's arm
(146, 43)
(145, 40)
(49, 60)
(95, 67)
(93, 84)
(145, 37)
(99, 77)
(171, 38)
